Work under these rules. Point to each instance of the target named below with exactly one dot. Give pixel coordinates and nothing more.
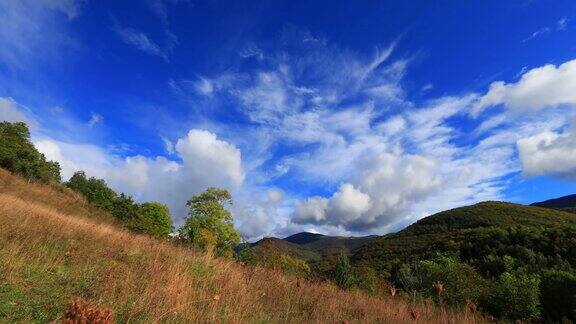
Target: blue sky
(330, 116)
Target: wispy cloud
(141, 41)
(22, 46)
(95, 119)
(560, 25)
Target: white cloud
(11, 112)
(95, 119)
(562, 24)
(312, 210)
(543, 87)
(140, 41)
(70, 8)
(32, 32)
(205, 86)
(206, 161)
(168, 145)
(549, 153)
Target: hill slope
(476, 229)
(566, 203)
(54, 247)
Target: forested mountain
(312, 246)
(566, 203)
(488, 230)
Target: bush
(124, 208)
(515, 296)
(447, 280)
(152, 218)
(343, 274)
(367, 280)
(558, 295)
(149, 218)
(18, 155)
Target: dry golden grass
(52, 251)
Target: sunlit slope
(464, 230)
(53, 247)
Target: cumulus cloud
(205, 161)
(549, 153)
(543, 87)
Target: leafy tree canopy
(153, 219)
(209, 224)
(18, 154)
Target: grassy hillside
(460, 230)
(54, 247)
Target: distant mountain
(311, 247)
(566, 203)
(304, 238)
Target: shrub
(18, 154)
(152, 218)
(445, 279)
(343, 274)
(515, 296)
(367, 280)
(294, 266)
(245, 253)
(124, 208)
(558, 295)
(80, 312)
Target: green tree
(209, 224)
(153, 219)
(124, 208)
(18, 154)
(94, 190)
(343, 274)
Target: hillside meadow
(54, 248)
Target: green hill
(310, 247)
(473, 232)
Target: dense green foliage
(98, 193)
(18, 154)
(557, 294)
(209, 224)
(516, 295)
(153, 219)
(343, 276)
(507, 258)
(149, 218)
